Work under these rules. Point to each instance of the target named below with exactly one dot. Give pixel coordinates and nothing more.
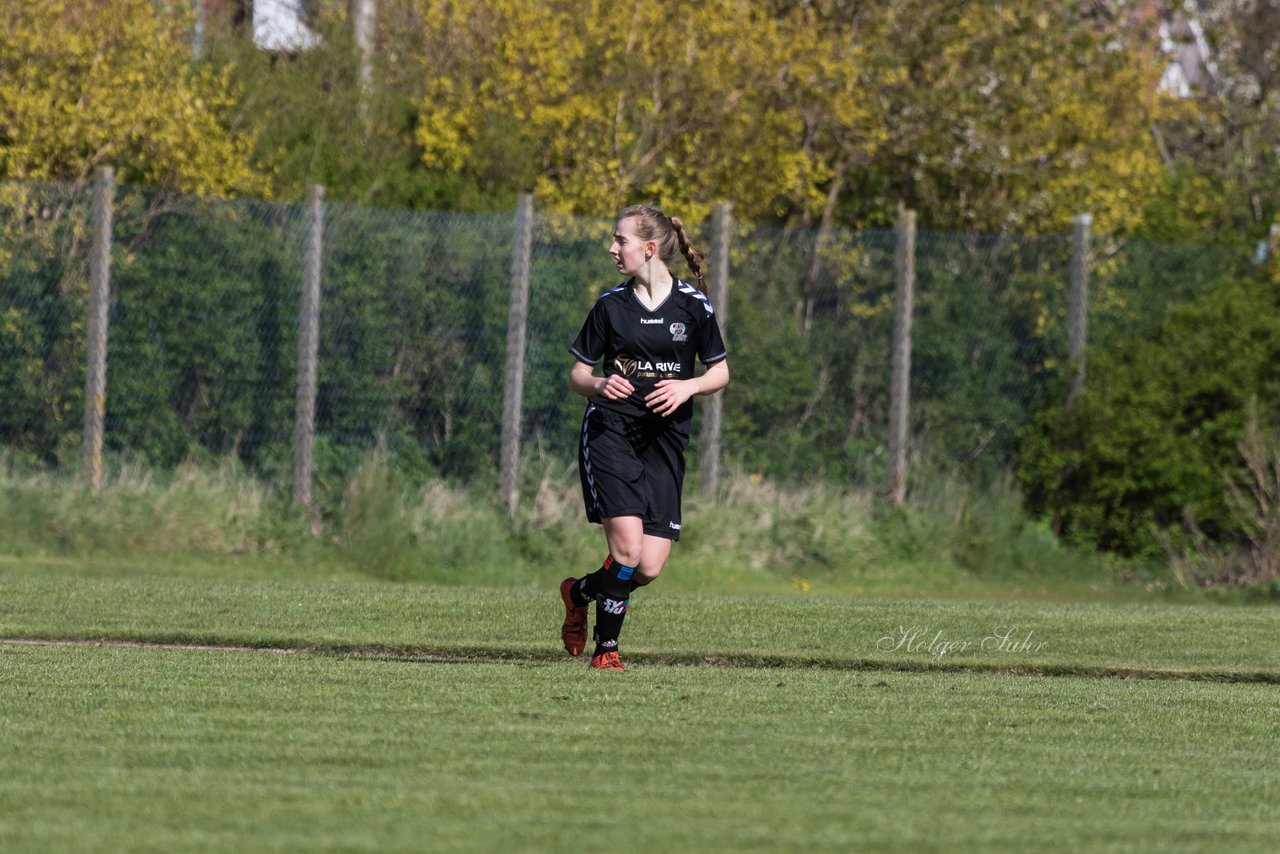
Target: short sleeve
(589, 346)
(711, 347)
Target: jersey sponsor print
(649, 345)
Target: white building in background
(1175, 30)
(1191, 64)
(279, 27)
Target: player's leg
(654, 552)
(611, 586)
(642, 544)
(610, 474)
(614, 583)
(663, 483)
(573, 631)
(624, 535)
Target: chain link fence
(203, 335)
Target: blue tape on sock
(625, 572)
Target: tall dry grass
(754, 535)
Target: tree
(1008, 117)
(984, 116)
(593, 106)
(1224, 144)
(85, 83)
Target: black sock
(609, 616)
(613, 584)
(584, 592)
(578, 594)
(611, 578)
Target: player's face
(627, 249)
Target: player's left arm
(669, 395)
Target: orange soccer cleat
(574, 630)
(607, 661)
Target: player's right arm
(583, 381)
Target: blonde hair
(653, 224)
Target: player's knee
(645, 575)
(615, 579)
(652, 562)
(627, 554)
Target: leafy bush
(1140, 457)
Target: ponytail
(690, 252)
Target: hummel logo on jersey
(675, 526)
(648, 321)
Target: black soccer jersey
(649, 345)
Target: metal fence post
(95, 377)
(517, 328)
(713, 407)
(198, 28)
(1078, 302)
(363, 14)
(304, 424)
(904, 265)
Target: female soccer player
(645, 334)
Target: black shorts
(632, 467)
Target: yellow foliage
(1015, 117)
(997, 117)
(85, 83)
(1000, 117)
(679, 103)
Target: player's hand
(616, 387)
(669, 395)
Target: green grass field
(417, 717)
(184, 666)
(145, 749)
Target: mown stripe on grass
(481, 654)
(145, 644)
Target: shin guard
(612, 599)
(612, 580)
(609, 616)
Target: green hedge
(1147, 447)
